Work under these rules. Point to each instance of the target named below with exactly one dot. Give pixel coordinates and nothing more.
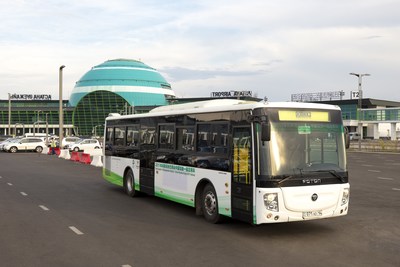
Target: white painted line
(366, 165)
(396, 189)
(385, 178)
(24, 194)
(43, 207)
(10, 184)
(374, 171)
(75, 230)
(126, 265)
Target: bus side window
(132, 136)
(109, 140)
(119, 139)
(203, 137)
(185, 138)
(166, 136)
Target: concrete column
(393, 131)
(376, 130)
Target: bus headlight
(271, 201)
(345, 197)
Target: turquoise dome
(134, 81)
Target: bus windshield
(303, 146)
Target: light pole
(360, 93)
(61, 115)
(47, 130)
(9, 114)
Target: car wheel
(76, 149)
(13, 149)
(96, 147)
(39, 149)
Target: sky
(274, 48)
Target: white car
(27, 144)
(85, 144)
(69, 141)
(5, 142)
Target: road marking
(75, 230)
(126, 265)
(10, 184)
(24, 194)
(1, 177)
(396, 189)
(366, 165)
(43, 207)
(385, 178)
(374, 171)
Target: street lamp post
(47, 130)
(9, 114)
(360, 93)
(61, 115)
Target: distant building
(380, 118)
(116, 86)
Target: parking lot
(62, 213)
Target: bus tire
(129, 184)
(210, 205)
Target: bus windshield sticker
(304, 129)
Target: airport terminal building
(116, 86)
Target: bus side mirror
(265, 131)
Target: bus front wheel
(129, 184)
(210, 205)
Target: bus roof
(219, 105)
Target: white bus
(251, 161)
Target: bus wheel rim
(210, 203)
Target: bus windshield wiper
(284, 178)
(334, 173)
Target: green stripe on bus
(113, 177)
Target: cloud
(181, 74)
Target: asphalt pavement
(55, 212)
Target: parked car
(68, 141)
(354, 136)
(5, 142)
(27, 144)
(85, 144)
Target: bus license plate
(312, 214)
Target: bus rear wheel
(210, 205)
(129, 184)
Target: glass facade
(89, 115)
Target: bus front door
(242, 181)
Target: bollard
(97, 161)
(63, 153)
(45, 150)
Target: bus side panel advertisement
(178, 183)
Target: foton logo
(311, 181)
